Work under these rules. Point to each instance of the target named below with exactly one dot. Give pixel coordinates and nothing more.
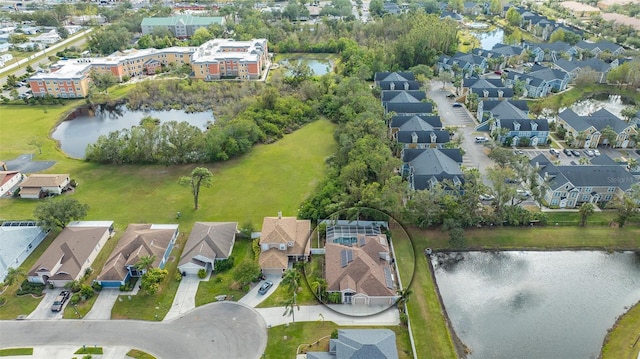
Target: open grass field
(284, 340)
(623, 342)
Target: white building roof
(66, 69)
(13, 242)
(213, 50)
(90, 224)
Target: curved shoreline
(615, 332)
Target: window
(611, 189)
(585, 197)
(573, 194)
(588, 189)
(554, 202)
(608, 197)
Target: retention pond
(536, 304)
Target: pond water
(536, 304)
(83, 126)
(612, 103)
(490, 38)
(319, 67)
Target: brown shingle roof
(73, 245)
(273, 258)
(44, 180)
(365, 273)
(138, 240)
(276, 230)
(209, 240)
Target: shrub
(96, 286)
(2, 301)
(30, 288)
(178, 277)
(202, 273)
(86, 292)
(334, 334)
(404, 319)
(223, 265)
(75, 299)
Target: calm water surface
(75, 135)
(537, 304)
(318, 67)
(489, 39)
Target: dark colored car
(457, 104)
(265, 287)
(567, 151)
(554, 152)
(575, 153)
(60, 300)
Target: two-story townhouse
(520, 132)
(493, 109)
(429, 167)
(597, 48)
(485, 89)
(573, 68)
(586, 131)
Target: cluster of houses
(418, 132)
(213, 60)
(39, 37)
(34, 186)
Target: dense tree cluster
(243, 122)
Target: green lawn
(623, 341)
(304, 297)
(223, 283)
(138, 354)
(284, 340)
(428, 325)
(89, 350)
(15, 351)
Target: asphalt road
(217, 330)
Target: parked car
(486, 197)
(264, 288)
(60, 300)
(567, 152)
(523, 194)
(554, 152)
(596, 152)
(518, 152)
(481, 139)
(457, 104)
(498, 72)
(589, 153)
(575, 153)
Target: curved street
(216, 330)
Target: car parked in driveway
(60, 300)
(264, 288)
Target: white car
(486, 197)
(596, 152)
(481, 139)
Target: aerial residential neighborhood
(325, 179)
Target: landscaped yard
(15, 351)
(284, 340)
(223, 283)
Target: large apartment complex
(181, 26)
(213, 60)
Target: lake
(537, 304)
(490, 38)
(319, 67)
(83, 127)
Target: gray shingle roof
(361, 344)
(416, 122)
(558, 46)
(431, 163)
(493, 92)
(602, 45)
(209, 241)
(513, 109)
(507, 50)
(399, 85)
(599, 120)
(482, 83)
(388, 95)
(423, 136)
(394, 76)
(403, 97)
(525, 124)
(409, 108)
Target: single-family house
(72, 252)
(492, 109)
(138, 240)
(208, 242)
(283, 240)
(472, 8)
(30, 30)
(360, 343)
(48, 38)
(17, 241)
(4, 47)
(430, 167)
(361, 270)
(587, 131)
(571, 186)
(4, 58)
(451, 15)
(9, 180)
(38, 185)
(28, 46)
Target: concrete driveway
(216, 330)
(43, 310)
(185, 299)
(314, 313)
(252, 298)
(104, 303)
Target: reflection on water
(318, 67)
(84, 126)
(490, 39)
(537, 304)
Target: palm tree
(13, 275)
(289, 307)
(145, 263)
(632, 164)
(291, 279)
(403, 297)
(319, 287)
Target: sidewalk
(316, 313)
(67, 352)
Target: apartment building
(181, 26)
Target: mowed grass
(284, 340)
(15, 351)
(430, 332)
(623, 341)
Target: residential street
(217, 330)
